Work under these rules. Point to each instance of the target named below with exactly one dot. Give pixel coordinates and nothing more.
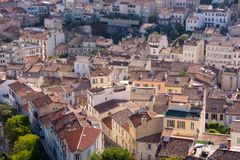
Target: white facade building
(82, 66)
(47, 39)
(192, 23)
(207, 16)
(156, 43)
(222, 51)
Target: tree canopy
(206, 2)
(16, 126)
(26, 147)
(5, 112)
(23, 155)
(111, 153)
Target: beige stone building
(101, 77)
(193, 51)
(184, 119)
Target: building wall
(194, 53)
(159, 85)
(81, 69)
(229, 81)
(235, 139)
(121, 136)
(188, 131)
(170, 89)
(106, 95)
(5, 90)
(219, 55)
(101, 81)
(220, 117)
(146, 151)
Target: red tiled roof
(137, 118)
(81, 138)
(108, 122)
(20, 88)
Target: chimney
(229, 144)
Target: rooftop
(107, 106)
(175, 147)
(154, 138)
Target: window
(149, 157)
(213, 116)
(221, 117)
(171, 123)
(206, 116)
(77, 156)
(192, 125)
(149, 146)
(101, 80)
(238, 140)
(93, 81)
(181, 124)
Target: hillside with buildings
(158, 78)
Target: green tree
(180, 28)
(23, 155)
(5, 112)
(215, 127)
(29, 142)
(206, 2)
(16, 126)
(111, 153)
(153, 19)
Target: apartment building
(101, 97)
(54, 22)
(193, 51)
(47, 39)
(230, 78)
(86, 45)
(192, 23)
(154, 79)
(192, 4)
(207, 16)
(222, 51)
(72, 141)
(172, 16)
(101, 77)
(185, 119)
(82, 66)
(171, 54)
(156, 43)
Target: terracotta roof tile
(108, 122)
(136, 118)
(224, 155)
(81, 138)
(175, 147)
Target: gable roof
(136, 118)
(81, 138)
(122, 118)
(20, 88)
